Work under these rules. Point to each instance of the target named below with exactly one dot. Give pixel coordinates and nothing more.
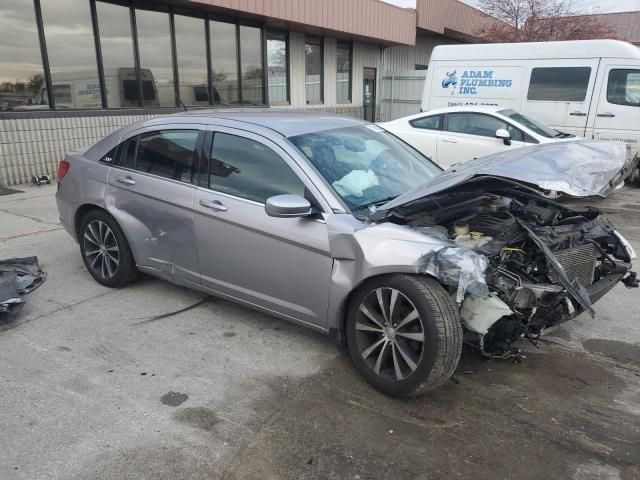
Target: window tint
(313, 70)
(21, 74)
(245, 168)
(623, 87)
(128, 159)
(166, 153)
(72, 54)
(114, 23)
(343, 73)
(474, 124)
(154, 43)
(192, 60)
(559, 84)
(224, 62)
(277, 62)
(433, 122)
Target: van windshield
(530, 123)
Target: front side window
(165, 153)
(343, 73)
(433, 122)
(72, 54)
(313, 71)
(277, 67)
(623, 87)
(475, 124)
(156, 66)
(559, 84)
(191, 51)
(21, 74)
(365, 165)
(248, 169)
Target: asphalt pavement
(97, 383)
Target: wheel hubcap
(389, 334)
(101, 249)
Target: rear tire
(105, 250)
(404, 334)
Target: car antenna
(181, 102)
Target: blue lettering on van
(470, 80)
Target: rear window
(433, 122)
(559, 84)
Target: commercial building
(71, 71)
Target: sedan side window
(245, 168)
(475, 124)
(433, 122)
(165, 153)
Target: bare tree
(540, 21)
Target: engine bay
(546, 262)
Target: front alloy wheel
(404, 333)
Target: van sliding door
(559, 93)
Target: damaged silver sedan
(339, 226)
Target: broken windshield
(365, 165)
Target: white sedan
(456, 134)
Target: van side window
(433, 122)
(559, 84)
(623, 87)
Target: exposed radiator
(579, 262)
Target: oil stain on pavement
(174, 399)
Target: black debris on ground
(18, 276)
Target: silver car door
(150, 193)
(279, 264)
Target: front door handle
(450, 140)
(578, 114)
(213, 205)
(606, 114)
(126, 180)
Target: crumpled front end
(517, 263)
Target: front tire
(404, 334)
(105, 250)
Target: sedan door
(150, 193)
(469, 135)
(282, 265)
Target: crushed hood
(582, 168)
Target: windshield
(365, 165)
(530, 123)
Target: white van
(590, 88)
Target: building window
(559, 84)
(191, 50)
(72, 55)
(343, 73)
(224, 62)
(114, 24)
(313, 69)
(251, 65)
(278, 67)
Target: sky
(589, 6)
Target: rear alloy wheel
(105, 250)
(404, 334)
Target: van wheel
(404, 334)
(105, 250)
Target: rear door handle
(578, 114)
(126, 180)
(450, 140)
(606, 114)
(213, 205)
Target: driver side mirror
(288, 206)
(504, 135)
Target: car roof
(286, 123)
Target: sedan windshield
(530, 123)
(365, 165)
